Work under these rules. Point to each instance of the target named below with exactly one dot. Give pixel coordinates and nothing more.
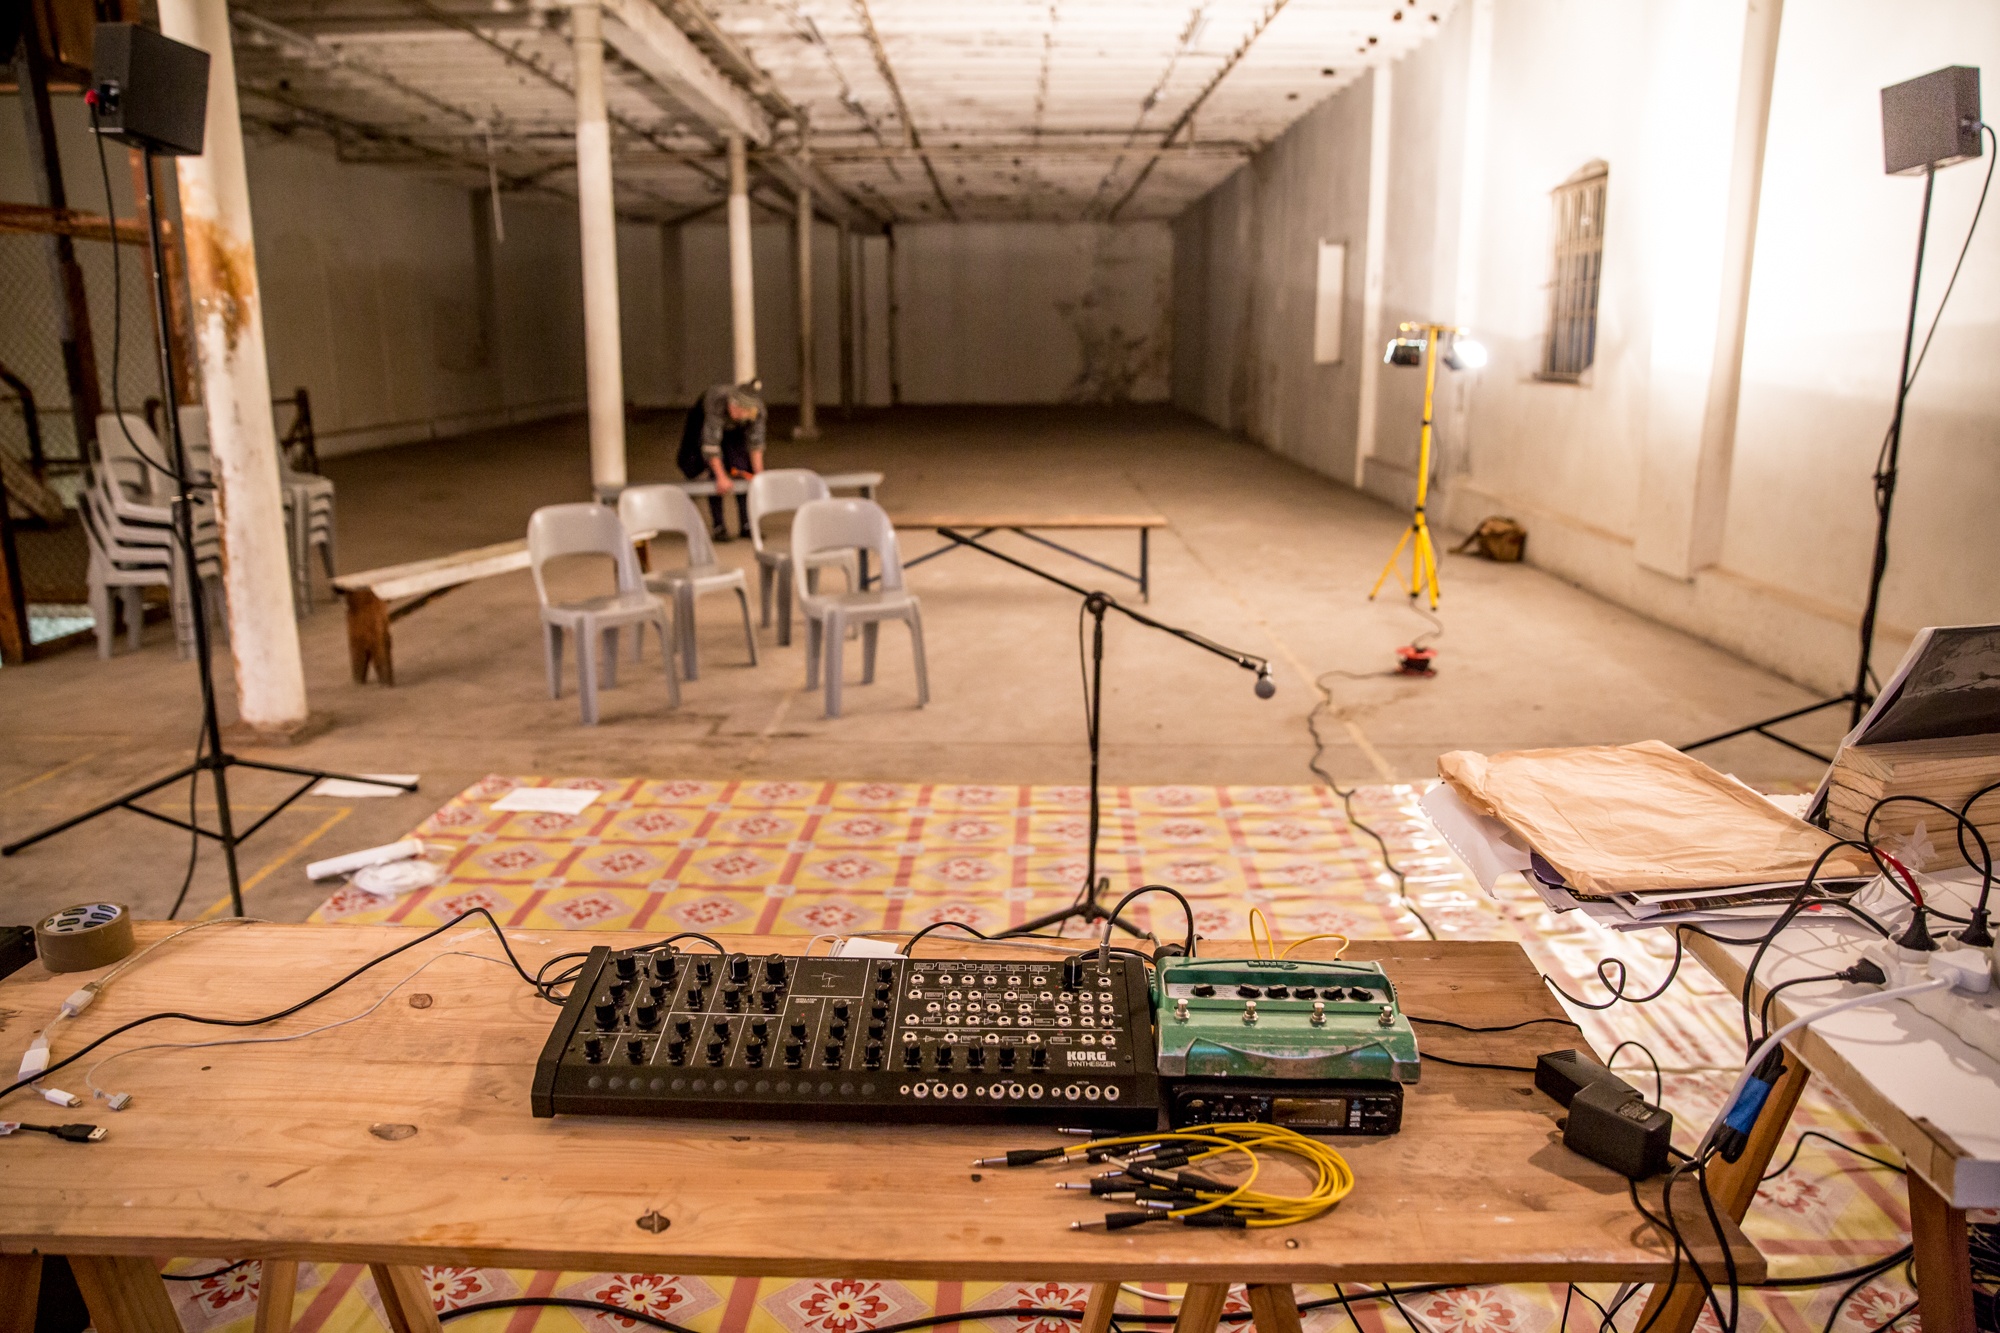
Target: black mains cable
(954, 1041)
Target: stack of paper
(1633, 835)
(1947, 771)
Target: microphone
(1266, 687)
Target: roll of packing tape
(80, 938)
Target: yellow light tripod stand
(1423, 555)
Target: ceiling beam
(910, 136)
(649, 41)
(1181, 122)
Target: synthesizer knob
(753, 1055)
(626, 965)
(875, 1031)
(635, 1050)
(665, 965)
(913, 1056)
(1038, 1058)
(676, 1052)
(774, 970)
(1304, 993)
(759, 1029)
(881, 994)
(704, 970)
(1006, 1057)
(607, 1014)
(794, 1053)
(593, 1049)
(831, 1056)
(715, 1052)
(768, 1001)
(657, 994)
(840, 1009)
(1072, 972)
(1359, 993)
(739, 968)
(879, 1012)
(885, 972)
(943, 1057)
(683, 1028)
(1277, 993)
(836, 1031)
(620, 991)
(648, 1015)
(799, 1030)
(872, 1056)
(1248, 992)
(975, 1058)
(722, 1028)
(695, 998)
(732, 998)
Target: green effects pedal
(1320, 1047)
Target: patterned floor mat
(809, 858)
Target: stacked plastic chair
(128, 514)
(308, 508)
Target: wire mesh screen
(1579, 266)
(39, 434)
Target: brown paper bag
(1642, 818)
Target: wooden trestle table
(405, 1139)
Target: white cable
(90, 1079)
(1771, 1042)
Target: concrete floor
(1261, 555)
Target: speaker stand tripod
(211, 757)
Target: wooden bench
(370, 596)
(978, 525)
(865, 482)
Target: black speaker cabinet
(1931, 122)
(152, 91)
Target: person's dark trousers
(715, 522)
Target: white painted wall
(1602, 472)
(1033, 312)
(1246, 262)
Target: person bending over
(723, 439)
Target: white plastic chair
(129, 521)
(308, 500)
(648, 511)
(850, 525)
(781, 491)
(591, 529)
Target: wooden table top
(1002, 519)
(406, 1137)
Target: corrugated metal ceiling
(911, 109)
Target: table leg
(1098, 1310)
(1273, 1307)
(405, 1299)
(1201, 1307)
(1944, 1260)
(125, 1295)
(21, 1289)
(1733, 1185)
(277, 1284)
(368, 636)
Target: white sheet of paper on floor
(370, 856)
(547, 800)
(396, 878)
(347, 787)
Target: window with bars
(1579, 264)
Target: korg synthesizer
(661, 1033)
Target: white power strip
(1968, 1007)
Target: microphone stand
(1096, 603)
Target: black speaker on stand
(151, 92)
(1927, 123)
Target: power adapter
(1609, 1121)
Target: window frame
(1576, 275)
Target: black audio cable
(288, 1010)
(1800, 1144)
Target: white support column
(236, 386)
(808, 427)
(1710, 65)
(603, 357)
(844, 271)
(1372, 262)
(742, 295)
